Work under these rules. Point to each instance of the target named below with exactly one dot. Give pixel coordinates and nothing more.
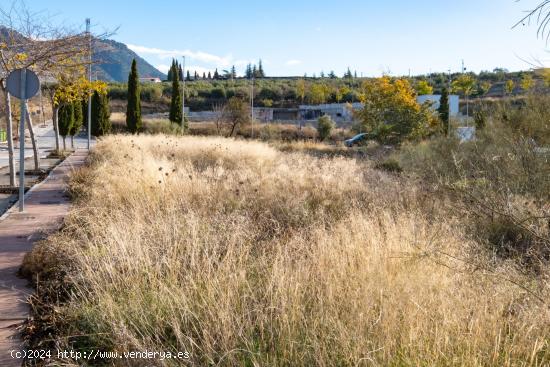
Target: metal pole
(183, 96)
(22, 141)
(90, 80)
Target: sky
(294, 37)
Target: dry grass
(245, 255)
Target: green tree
(78, 120)
(216, 75)
(133, 109)
(65, 121)
(261, 73)
(423, 87)
(527, 82)
(464, 84)
(391, 113)
(236, 113)
(443, 110)
(484, 87)
(176, 102)
(188, 77)
(171, 71)
(509, 86)
(101, 124)
(324, 127)
(318, 93)
(301, 89)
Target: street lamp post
(90, 80)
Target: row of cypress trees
(72, 116)
(133, 110)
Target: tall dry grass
(245, 255)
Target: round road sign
(13, 83)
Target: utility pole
(90, 80)
(183, 92)
(22, 140)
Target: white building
(338, 112)
(434, 98)
(150, 80)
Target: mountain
(112, 62)
(112, 59)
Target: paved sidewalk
(45, 207)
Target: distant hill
(112, 62)
(112, 59)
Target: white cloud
(163, 68)
(293, 62)
(194, 55)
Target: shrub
(389, 165)
(160, 126)
(246, 256)
(391, 112)
(325, 126)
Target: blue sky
(297, 37)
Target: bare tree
(236, 113)
(541, 16)
(219, 116)
(29, 40)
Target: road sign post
(22, 84)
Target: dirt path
(45, 207)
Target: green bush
(324, 127)
(499, 182)
(389, 165)
(161, 126)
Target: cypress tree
(133, 110)
(196, 77)
(254, 72)
(176, 102)
(261, 73)
(443, 110)
(170, 71)
(248, 72)
(203, 75)
(180, 72)
(101, 124)
(65, 121)
(78, 120)
(209, 75)
(188, 77)
(216, 75)
(233, 72)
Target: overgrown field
(242, 254)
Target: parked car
(355, 140)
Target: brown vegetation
(245, 255)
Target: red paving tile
(46, 205)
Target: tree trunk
(56, 128)
(9, 128)
(232, 129)
(33, 139)
(72, 141)
(64, 146)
